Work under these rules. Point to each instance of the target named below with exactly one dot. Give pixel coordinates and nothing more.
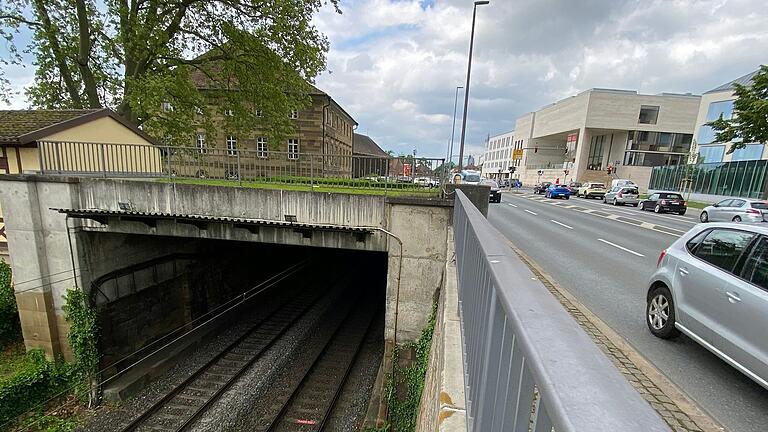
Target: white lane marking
(620, 247)
(533, 213)
(561, 224)
(512, 205)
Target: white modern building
(714, 103)
(580, 137)
(498, 156)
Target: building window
(262, 151)
(715, 110)
(711, 154)
(167, 107)
(595, 160)
(231, 145)
(293, 149)
(294, 114)
(202, 147)
(648, 114)
(750, 152)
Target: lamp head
(481, 2)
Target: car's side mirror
(716, 205)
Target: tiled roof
(745, 80)
(16, 124)
(364, 145)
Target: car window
(722, 248)
(760, 205)
(653, 197)
(472, 178)
(737, 203)
(671, 196)
(724, 203)
(630, 191)
(695, 241)
(597, 186)
(756, 267)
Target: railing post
(103, 161)
(58, 157)
(311, 173)
(239, 176)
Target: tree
(135, 55)
(749, 123)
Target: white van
(622, 182)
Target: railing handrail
(579, 388)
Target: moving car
(592, 190)
(558, 191)
(470, 177)
(574, 187)
(622, 195)
(712, 285)
(495, 195)
(662, 202)
(736, 210)
(541, 187)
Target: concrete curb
(674, 406)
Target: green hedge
(10, 329)
(35, 382)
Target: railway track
(308, 405)
(183, 405)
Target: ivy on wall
(83, 338)
(10, 329)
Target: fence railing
(263, 165)
(529, 366)
(740, 179)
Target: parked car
(622, 195)
(663, 202)
(592, 190)
(495, 195)
(424, 181)
(404, 179)
(541, 187)
(736, 210)
(712, 285)
(574, 187)
(558, 191)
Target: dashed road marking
(533, 213)
(620, 247)
(512, 205)
(561, 224)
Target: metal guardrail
(263, 165)
(528, 364)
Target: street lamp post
(466, 87)
(453, 128)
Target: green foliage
(83, 338)
(35, 381)
(749, 123)
(404, 409)
(133, 55)
(10, 329)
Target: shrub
(10, 329)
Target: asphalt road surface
(604, 256)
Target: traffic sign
(517, 154)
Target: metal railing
(263, 165)
(738, 178)
(528, 364)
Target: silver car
(712, 285)
(736, 210)
(622, 195)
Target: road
(604, 256)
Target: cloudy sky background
(395, 64)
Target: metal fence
(528, 364)
(417, 175)
(740, 179)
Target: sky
(395, 64)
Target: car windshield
(490, 183)
(760, 205)
(630, 191)
(472, 178)
(597, 186)
(558, 186)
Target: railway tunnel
(287, 288)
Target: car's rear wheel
(614, 201)
(657, 209)
(704, 217)
(642, 206)
(660, 313)
(567, 197)
(737, 218)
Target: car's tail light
(684, 203)
(661, 257)
(753, 211)
(619, 195)
(663, 202)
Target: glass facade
(646, 148)
(750, 152)
(711, 154)
(740, 179)
(715, 110)
(595, 161)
